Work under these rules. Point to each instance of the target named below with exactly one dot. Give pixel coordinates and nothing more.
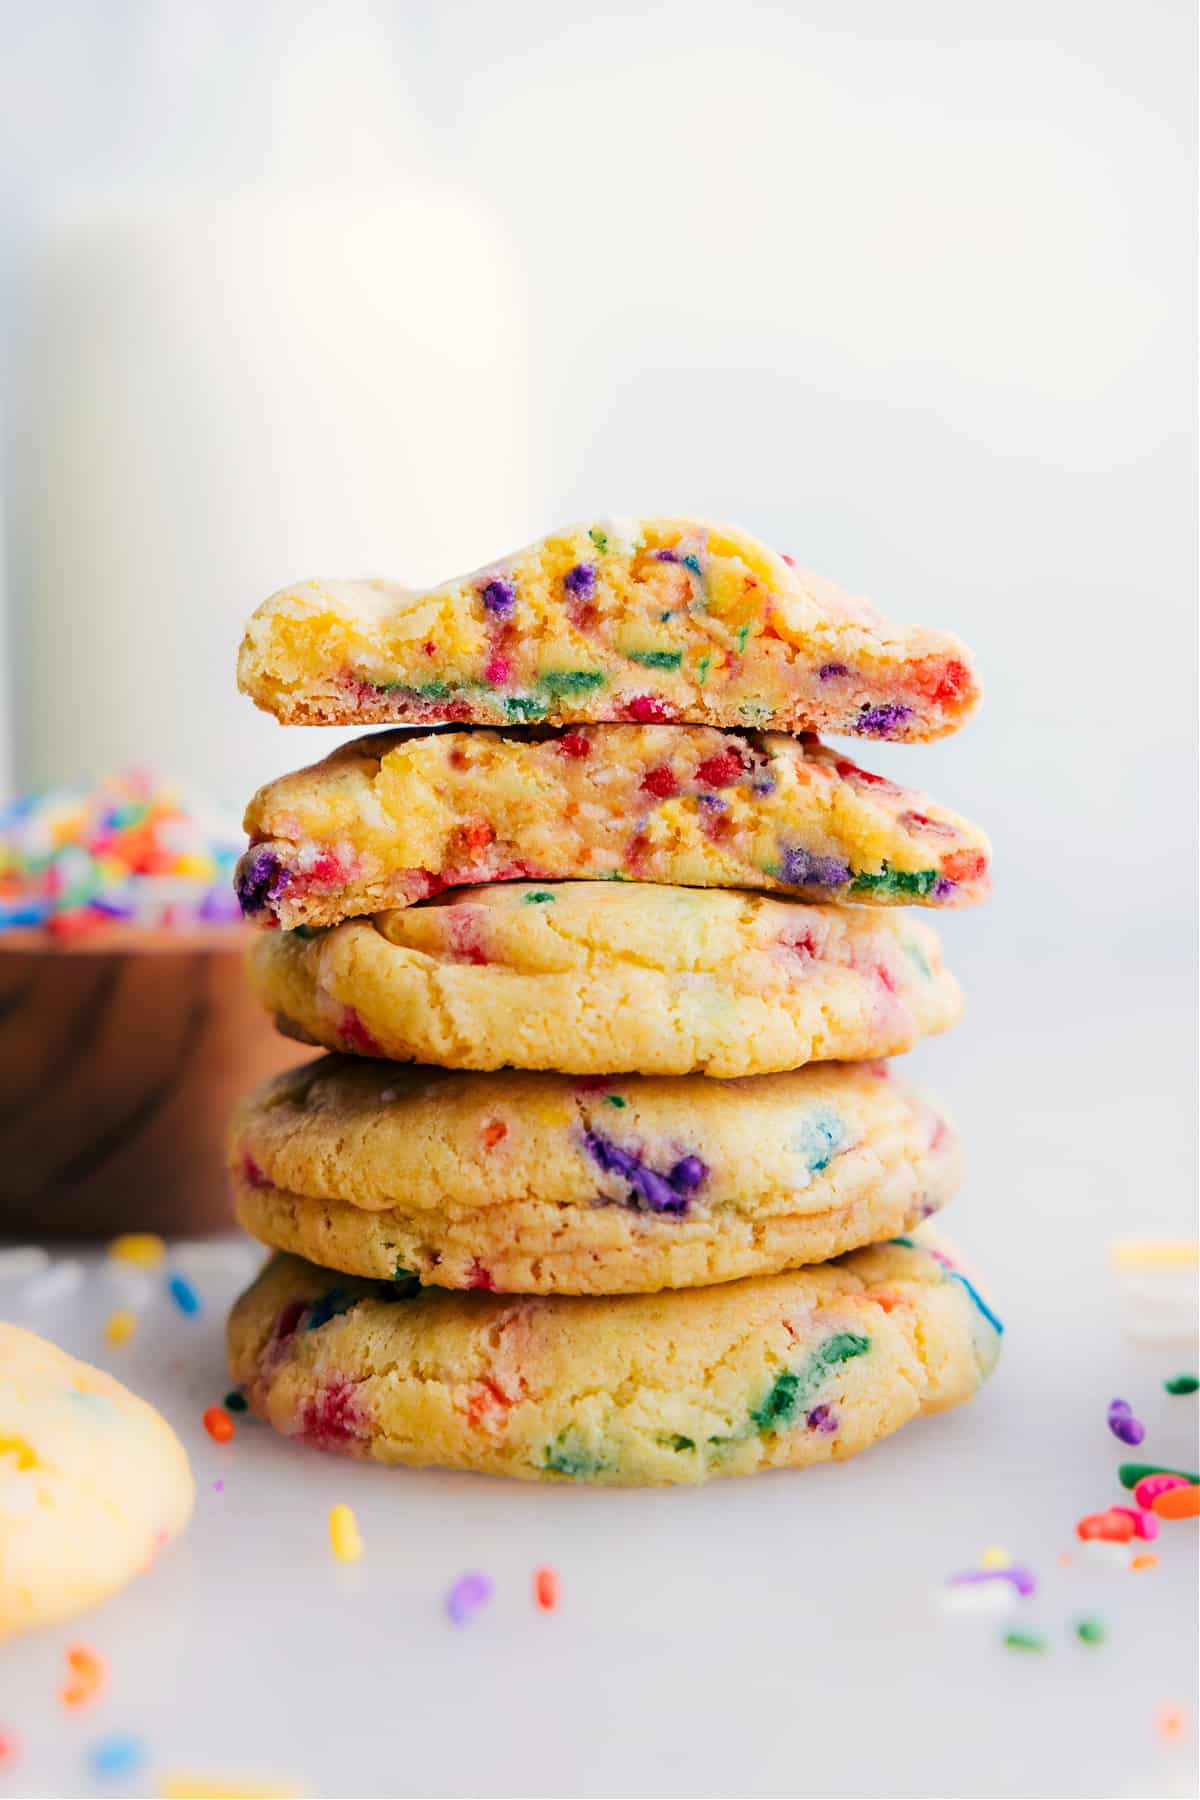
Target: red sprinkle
(326, 868)
(545, 1588)
(574, 744)
(477, 836)
(647, 709)
(9, 1749)
(493, 1133)
(963, 865)
(1114, 1525)
(660, 782)
(479, 1277)
(218, 1424)
(722, 770)
(252, 1172)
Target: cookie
(596, 978)
(539, 1183)
(777, 1371)
(395, 817)
(92, 1483)
(642, 620)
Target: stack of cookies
(605, 1178)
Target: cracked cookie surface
(777, 1371)
(594, 978)
(540, 1183)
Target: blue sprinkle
(183, 1294)
(984, 1308)
(119, 1754)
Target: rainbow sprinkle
(132, 850)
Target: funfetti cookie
(593, 978)
(541, 1183)
(93, 1482)
(774, 1372)
(395, 817)
(643, 620)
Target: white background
(909, 291)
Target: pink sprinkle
(218, 1487)
(1145, 1524)
(1150, 1485)
(498, 670)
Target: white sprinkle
(978, 1597)
(22, 1261)
(1110, 1551)
(61, 1279)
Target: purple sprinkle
(580, 581)
(822, 1418)
(499, 597)
(1023, 1579)
(802, 869)
(260, 877)
(1122, 1423)
(687, 1174)
(219, 906)
(713, 801)
(942, 886)
(877, 721)
(827, 671)
(665, 556)
(468, 1594)
(766, 786)
(656, 1191)
(219, 1487)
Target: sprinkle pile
(132, 850)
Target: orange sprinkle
(1147, 1560)
(1170, 1724)
(1064, 1559)
(88, 1676)
(1178, 1503)
(545, 1588)
(493, 1133)
(218, 1424)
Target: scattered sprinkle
(236, 1401)
(145, 1249)
(10, 1749)
(119, 1754)
(1178, 1503)
(1025, 1640)
(1132, 1253)
(1122, 1423)
(545, 1587)
(121, 1326)
(59, 1280)
(1022, 1580)
(344, 1536)
(467, 1595)
(1130, 1474)
(87, 1676)
(1115, 1525)
(1182, 1384)
(218, 1487)
(995, 1558)
(218, 1424)
(23, 1261)
(1090, 1631)
(183, 1294)
(1145, 1560)
(1150, 1485)
(1170, 1724)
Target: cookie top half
(397, 816)
(645, 620)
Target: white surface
(773, 1636)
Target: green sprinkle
(656, 659)
(1090, 1631)
(907, 1242)
(525, 706)
(405, 1281)
(793, 1388)
(236, 1401)
(682, 1443)
(741, 634)
(1182, 1384)
(599, 538)
(615, 1100)
(568, 1455)
(1025, 1640)
(616, 875)
(539, 899)
(1131, 1473)
(917, 882)
(570, 681)
(703, 666)
(307, 931)
(433, 690)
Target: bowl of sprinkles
(126, 1027)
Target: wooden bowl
(121, 1056)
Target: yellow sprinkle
(121, 1326)
(995, 1558)
(1136, 1253)
(145, 1248)
(186, 1786)
(343, 1534)
(1147, 1560)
